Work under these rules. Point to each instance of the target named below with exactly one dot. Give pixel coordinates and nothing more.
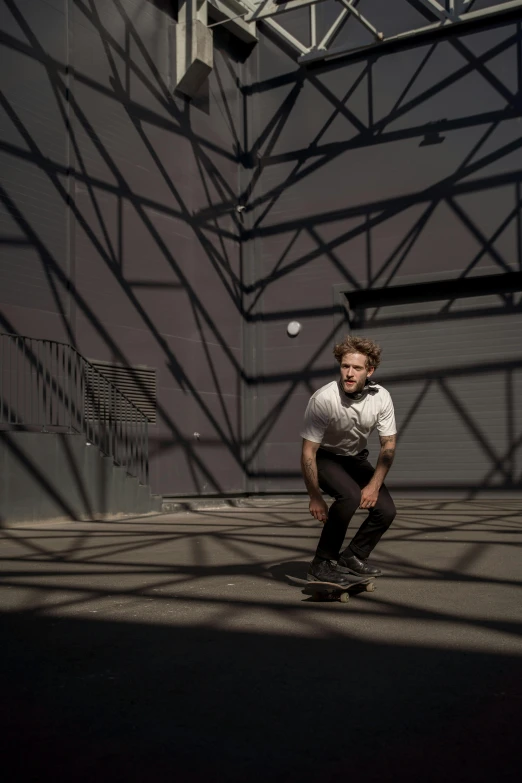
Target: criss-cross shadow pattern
(374, 173)
(104, 169)
(187, 631)
(121, 232)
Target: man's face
(354, 372)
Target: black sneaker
(355, 566)
(325, 571)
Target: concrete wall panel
(119, 230)
(374, 171)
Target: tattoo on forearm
(387, 456)
(388, 440)
(388, 443)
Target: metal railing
(48, 386)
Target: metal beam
(240, 17)
(232, 15)
(268, 8)
(334, 29)
(287, 37)
(362, 19)
(437, 10)
(294, 43)
(463, 19)
(491, 10)
(313, 26)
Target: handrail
(49, 386)
(72, 348)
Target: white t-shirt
(342, 424)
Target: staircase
(72, 445)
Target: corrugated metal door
(454, 369)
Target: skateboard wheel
(344, 598)
(316, 597)
(371, 587)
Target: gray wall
(120, 235)
(401, 166)
(114, 233)
(58, 476)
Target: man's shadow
(296, 568)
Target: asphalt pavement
(173, 648)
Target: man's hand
(318, 508)
(369, 495)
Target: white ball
(293, 328)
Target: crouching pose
(338, 421)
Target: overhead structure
(193, 46)
(197, 18)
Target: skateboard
(330, 591)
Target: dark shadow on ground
(91, 700)
(297, 568)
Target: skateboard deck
(331, 591)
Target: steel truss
(446, 14)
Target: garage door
(454, 369)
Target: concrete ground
(172, 648)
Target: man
(338, 420)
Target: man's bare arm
(309, 467)
(386, 455)
(317, 505)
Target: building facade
(377, 193)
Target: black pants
(343, 478)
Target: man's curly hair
(363, 345)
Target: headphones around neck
(359, 395)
